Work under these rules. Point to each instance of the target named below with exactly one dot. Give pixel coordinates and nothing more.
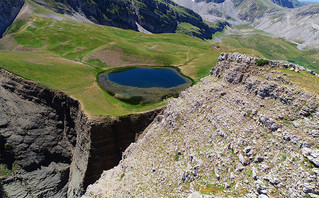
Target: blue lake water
(148, 77)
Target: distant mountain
(156, 16)
(300, 24)
(283, 3)
(234, 11)
(288, 3)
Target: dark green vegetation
(67, 55)
(262, 62)
(15, 26)
(157, 16)
(6, 171)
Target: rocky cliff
(9, 9)
(244, 131)
(49, 147)
(152, 15)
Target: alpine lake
(143, 85)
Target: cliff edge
(49, 147)
(245, 130)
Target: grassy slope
(75, 79)
(50, 45)
(272, 48)
(57, 55)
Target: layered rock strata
(49, 147)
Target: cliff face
(48, 147)
(110, 138)
(38, 133)
(246, 130)
(153, 15)
(9, 9)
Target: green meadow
(66, 55)
(271, 48)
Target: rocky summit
(250, 129)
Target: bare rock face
(152, 15)
(38, 134)
(8, 11)
(239, 132)
(311, 155)
(49, 147)
(50, 130)
(234, 73)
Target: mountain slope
(64, 54)
(283, 3)
(60, 45)
(245, 131)
(234, 11)
(298, 24)
(8, 11)
(153, 15)
(301, 25)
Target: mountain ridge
(155, 16)
(246, 130)
(297, 24)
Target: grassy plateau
(66, 55)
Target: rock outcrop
(8, 11)
(49, 147)
(246, 130)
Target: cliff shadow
(1, 191)
(6, 154)
(110, 139)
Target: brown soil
(116, 57)
(9, 43)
